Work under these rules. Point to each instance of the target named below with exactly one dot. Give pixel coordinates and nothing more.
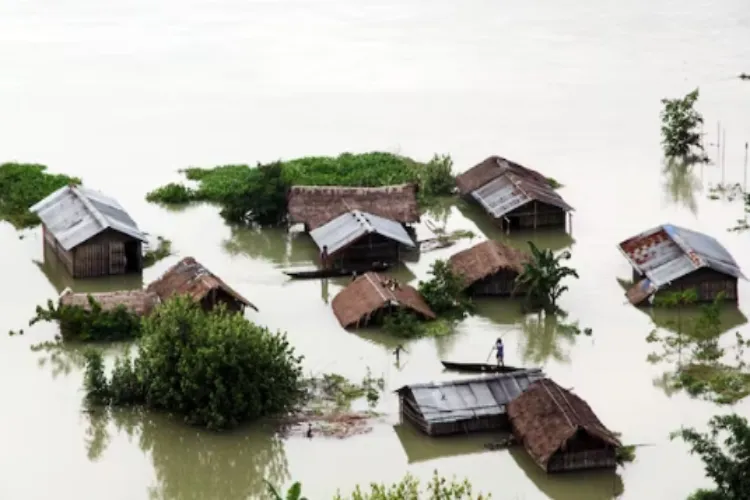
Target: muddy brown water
(125, 94)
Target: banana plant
(293, 493)
(541, 277)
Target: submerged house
(138, 302)
(560, 430)
(370, 297)
(360, 238)
(468, 405)
(672, 258)
(189, 277)
(314, 206)
(90, 233)
(514, 196)
(489, 268)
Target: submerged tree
(542, 277)
(727, 460)
(680, 129)
(444, 292)
(409, 488)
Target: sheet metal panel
(705, 249)
(388, 228)
(500, 196)
(348, 227)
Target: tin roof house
(90, 233)
(514, 196)
(672, 258)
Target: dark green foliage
(702, 370)
(93, 324)
(293, 493)
(95, 381)
(163, 250)
(24, 184)
(680, 128)
(542, 277)
(725, 451)
(444, 292)
(258, 195)
(214, 368)
(404, 324)
(332, 393)
(409, 488)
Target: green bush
(215, 368)
(409, 488)
(258, 195)
(24, 184)
(92, 324)
(444, 292)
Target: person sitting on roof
(500, 352)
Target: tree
(680, 128)
(444, 292)
(727, 462)
(439, 488)
(214, 368)
(262, 201)
(542, 276)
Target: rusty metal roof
(74, 214)
(668, 252)
(469, 398)
(349, 227)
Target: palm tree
(294, 492)
(541, 278)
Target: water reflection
(276, 245)
(58, 276)
(681, 183)
(546, 337)
(583, 485)
(191, 463)
(421, 448)
(554, 239)
(63, 358)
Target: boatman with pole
(500, 352)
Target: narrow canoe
(333, 273)
(478, 367)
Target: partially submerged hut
(489, 268)
(371, 296)
(460, 406)
(189, 277)
(314, 206)
(360, 238)
(90, 233)
(514, 196)
(671, 258)
(139, 302)
(560, 430)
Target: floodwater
(126, 93)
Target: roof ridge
(90, 207)
(379, 288)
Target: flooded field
(124, 95)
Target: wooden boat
(333, 273)
(478, 367)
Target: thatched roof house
(560, 430)
(372, 295)
(138, 302)
(489, 268)
(190, 277)
(315, 205)
(513, 195)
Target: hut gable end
(371, 292)
(317, 205)
(348, 228)
(486, 259)
(546, 417)
(75, 214)
(190, 277)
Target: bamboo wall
(537, 215)
(371, 248)
(500, 284)
(102, 255)
(604, 458)
(707, 283)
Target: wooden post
(535, 215)
(744, 186)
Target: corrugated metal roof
(509, 191)
(469, 398)
(74, 214)
(349, 227)
(668, 252)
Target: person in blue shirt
(500, 352)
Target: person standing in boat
(500, 352)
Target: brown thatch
(485, 259)
(492, 168)
(190, 277)
(371, 292)
(316, 205)
(546, 416)
(138, 302)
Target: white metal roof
(74, 214)
(349, 227)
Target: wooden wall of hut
(65, 257)
(218, 296)
(580, 460)
(500, 284)
(107, 253)
(535, 215)
(707, 283)
(369, 249)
